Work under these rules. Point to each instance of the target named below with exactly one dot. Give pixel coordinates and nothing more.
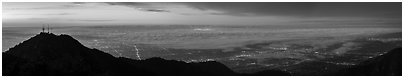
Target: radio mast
(48, 28)
(43, 28)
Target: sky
(198, 13)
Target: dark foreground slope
(389, 64)
(49, 54)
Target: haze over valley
(300, 38)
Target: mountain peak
(46, 44)
(50, 38)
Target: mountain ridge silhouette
(389, 64)
(55, 55)
(47, 54)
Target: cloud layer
(201, 13)
(303, 9)
(148, 7)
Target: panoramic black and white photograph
(201, 38)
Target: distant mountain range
(47, 54)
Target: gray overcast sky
(199, 13)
